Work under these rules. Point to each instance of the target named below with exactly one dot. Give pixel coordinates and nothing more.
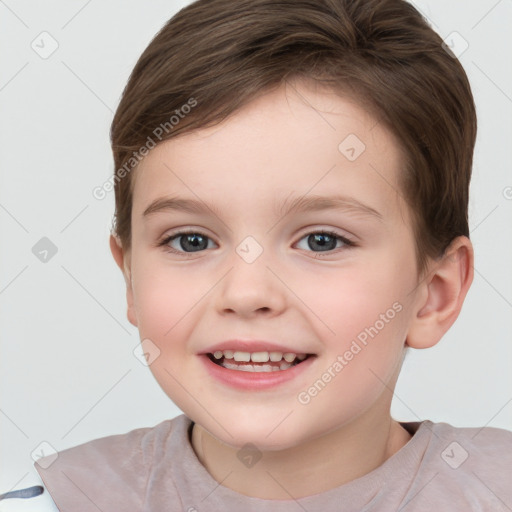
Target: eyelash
(164, 243)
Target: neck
(333, 459)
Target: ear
(122, 258)
(441, 294)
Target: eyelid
(181, 232)
(318, 228)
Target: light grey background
(68, 372)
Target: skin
(285, 143)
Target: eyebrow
(308, 203)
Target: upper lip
(252, 346)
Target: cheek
(161, 299)
(343, 303)
(363, 327)
(361, 316)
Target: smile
(256, 361)
(256, 371)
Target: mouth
(257, 362)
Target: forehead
(297, 139)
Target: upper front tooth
(259, 357)
(276, 356)
(242, 356)
(289, 357)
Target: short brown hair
(223, 53)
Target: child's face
(282, 146)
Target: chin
(265, 435)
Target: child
(316, 155)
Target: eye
(325, 241)
(187, 242)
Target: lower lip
(254, 380)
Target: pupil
(320, 240)
(195, 244)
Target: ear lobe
(442, 294)
(122, 258)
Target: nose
(251, 288)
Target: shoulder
(471, 465)
(111, 471)
(482, 444)
(137, 446)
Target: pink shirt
(442, 468)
